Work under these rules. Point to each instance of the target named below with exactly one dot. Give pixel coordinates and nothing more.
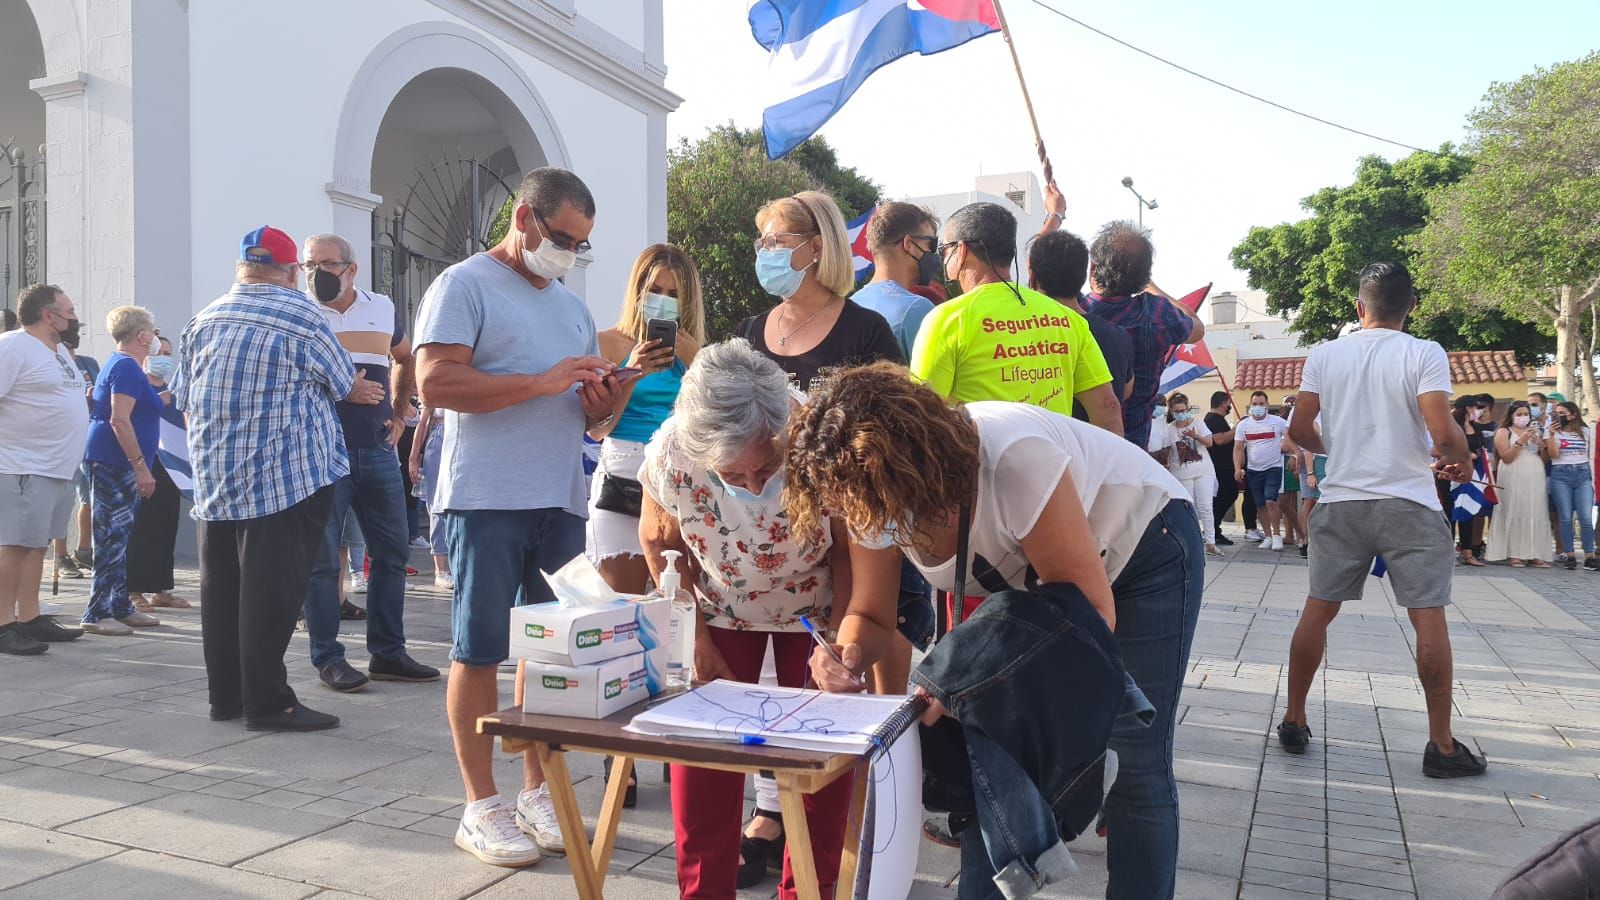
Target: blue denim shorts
(915, 611)
(1265, 485)
(496, 556)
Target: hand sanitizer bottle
(680, 633)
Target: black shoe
(342, 677)
(1222, 541)
(225, 715)
(300, 718)
(48, 630)
(18, 642)
(67, 567)
(1293, 738)
(1303, 550)
(758, 856)
(399, 668)
(946, 830)
(351, 612)
(1591, 562)
(630, 797)
(1571, 562)
(1459, 764)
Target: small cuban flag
(822, 50)
(1187, 362)
(856, 231)
(174, 450)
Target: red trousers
(708, 806)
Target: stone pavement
(112, 779)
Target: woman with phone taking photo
(660, 328)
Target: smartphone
(663, 330)
(622, 375)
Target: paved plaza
(113, 781)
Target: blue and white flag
(1469, 500)
(822, 50)
(174, 450)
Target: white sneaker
(421, 543)
(1255, 534)
(46, 608)
(536, 816)
(1277, 542)
(358, 584)
(444, 581)
(493, 837)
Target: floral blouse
(753, 574)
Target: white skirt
(614, 534)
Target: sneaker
(43, 628)
(1459, 764)
(15, 641)
(400, 668)
(421, 543)
(351, 612)
(1304, 551)
(107, 628)
(1571, 562)
(46, 608)
(536, 816)
(358, 584)
(1223, 541)
(494, 837)
(1255, 535)
(444, 581)
(84, 558)
(1277, 542)
(1294, 738)
(67, 567)
(946, 830)
(140, 620)
(1590, 561)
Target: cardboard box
(592, 691)
(580, 635)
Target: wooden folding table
(797, 772)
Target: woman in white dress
(1520, 530)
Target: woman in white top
(1571, 482)
(1190, 464)
(1050, 500)
(1520, 531)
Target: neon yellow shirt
(984, 345)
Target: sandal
(1538, 564)
(1471, 560)
(140, 604)
(758, 856)
(168, 600)
(1515, 563)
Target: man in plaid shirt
(258, 375)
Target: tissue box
(579, 635)
(592, 691)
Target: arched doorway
(22, 138)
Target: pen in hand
(817, 636)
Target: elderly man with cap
(258, 375)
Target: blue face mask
(161, 367)
(1535, 410)
(1258, 411)
(776, 272)
(659, 306)
(891, 536)
(769, 491)
(1158, 412)
(1183, 416)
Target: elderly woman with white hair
(713, 477)
(124, 431)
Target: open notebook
(781, 717)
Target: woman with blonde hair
(803, 258)
(664, 285)
(124, 432)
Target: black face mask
(929, 268)
(326, 285)
(70, 335)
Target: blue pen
(752, 740)
(817, 636)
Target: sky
(1216, 163)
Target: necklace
(783, 339)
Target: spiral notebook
(781, 717)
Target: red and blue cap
(269, 245)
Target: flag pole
(1038, 138)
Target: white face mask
(155, 344)
(1521, 421)
(548, 261)
(659, 306)
(1258, 412)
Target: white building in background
(169, 128)
(1018, 192)
(1238, 321)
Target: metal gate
(450, 212)
(22, 221)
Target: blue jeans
(1572, 489)
(496, 556)
(1158, 604)
(115, 501)
(1016, 848)
(373, 491)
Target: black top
(1117, 347)
(1221, 454)
(859, 336)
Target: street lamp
(1144, 204)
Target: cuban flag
(856, 231)
(822, 50)
(174, 450)
(1187, 361)
(1469, 499)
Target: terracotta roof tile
(1466, 367)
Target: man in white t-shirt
(44, 425)
(1381, 393)
(1258, 464)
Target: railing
(22, 221)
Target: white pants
(1202, 490)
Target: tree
(1309, 268)
(1521, 233)
(716, 185)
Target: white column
(64, 180)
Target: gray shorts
(34, 510)
(1412, 539)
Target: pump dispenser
(680, 638)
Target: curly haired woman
(1050, 500)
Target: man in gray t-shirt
(501, 345)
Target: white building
(1018, 192)
(169, 128)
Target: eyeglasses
(944, 248)
(772, 242)
(564, 241)
(334, 266)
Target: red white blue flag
(1187, 361)
(856, 230)
(822, 50)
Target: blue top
(122, 375)
(650, 404)
(899, 307)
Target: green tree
(714, 188)
(1309, 268)
(1521, 232)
